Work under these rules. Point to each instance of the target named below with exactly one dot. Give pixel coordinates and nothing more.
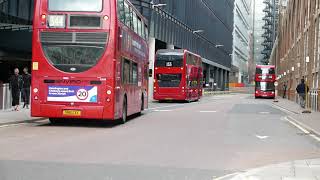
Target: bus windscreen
(265, 86)
(73, 58)
(76, 5)
(169, 80)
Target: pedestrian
(284, 90)
(26, 78)
(302, 90)
(15, 86)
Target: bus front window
(73, 58)
(169, 60)
(265, 86)
(75, 5)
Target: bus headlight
(57, 21)
(108, 92)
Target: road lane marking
(262, 137)
(162, 110)
(161, 107)
(208, 111)
(305, 131)
(226, 176)
(264, 112)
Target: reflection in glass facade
(241, 40)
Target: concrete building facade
(297, 49)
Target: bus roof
(175, 52)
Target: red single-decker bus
(89, 60)
(177, 75)
(264, 81)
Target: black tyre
(124, 112)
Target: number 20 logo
(82, 94)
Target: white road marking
(226, 176)
(160, 107)
(264, 112)
(297, 126)
(162, 110)
(208, 111)
(262, 137)
(302, 129)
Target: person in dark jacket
(15, 87)
(26, 78)
(302, 89)
(284, 90)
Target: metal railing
(313, 99)
(5, 97)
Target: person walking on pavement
(302, 90)
(15, 86)
(284, 90)
(26, 78)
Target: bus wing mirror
(150, 72)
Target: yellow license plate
(168, 99)
(71, 113)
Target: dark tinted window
(265, 86)
(265, 71)
(73, 58)
(169, 80)
(126, 71)
(75, 5)
(134, 72)
(169, 60)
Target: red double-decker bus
(89, 60)
(264, 81)
(177, 75)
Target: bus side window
(128, 14)
(125, 71)
(121, 13)
(146, 31)
(139, 27)
(134, 79)
(135, 22)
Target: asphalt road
(170, 141)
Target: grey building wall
(241, 40)
(175, 23)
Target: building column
(221, 80)
(207, 74)
(170, 46)
(216, 77)
(227, 80)
(152, 51)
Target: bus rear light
(109, 92)
(182, 68)
(105, 18)
(257, 92)
(272, 92)
(36, 98)
(35, 90)
(108, 100)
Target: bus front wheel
(124, 112)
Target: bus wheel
(124, 112)
(142, 103)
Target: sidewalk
(14, 117)
(310, 121)
(295, 170)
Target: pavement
(219, 137)
(294, 170)
(8, 117)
